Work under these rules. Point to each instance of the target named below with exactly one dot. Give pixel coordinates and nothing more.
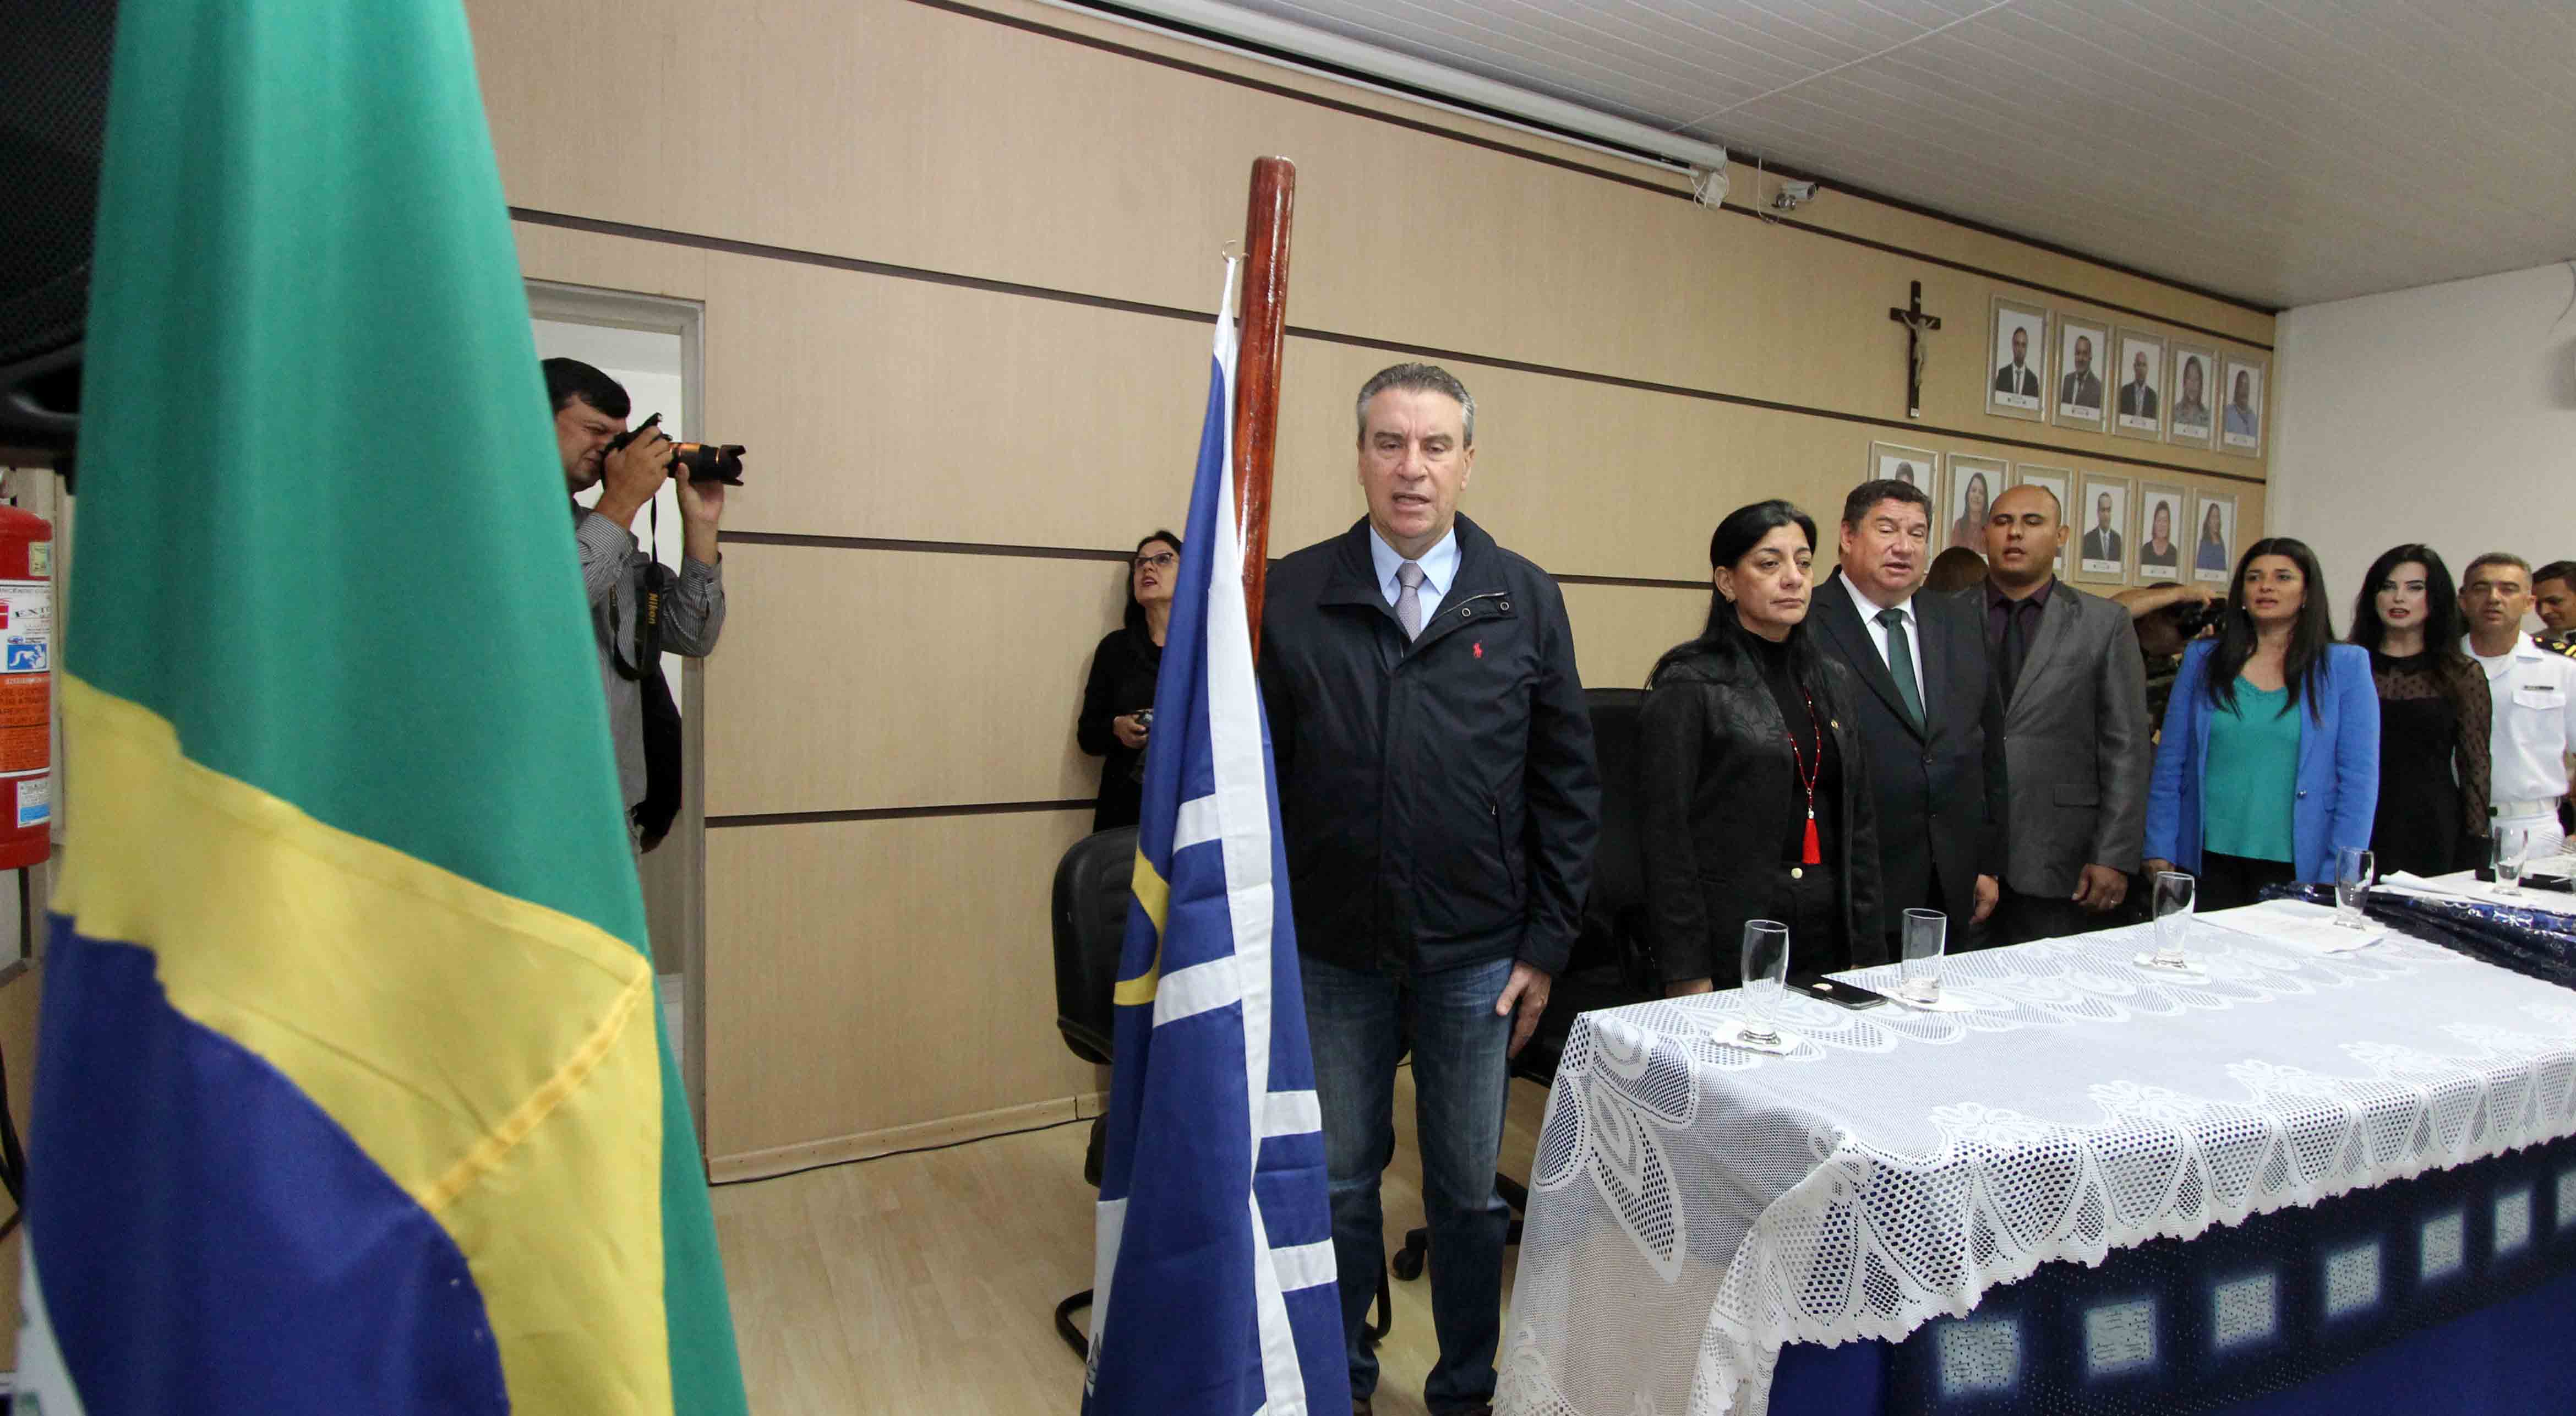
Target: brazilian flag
(351, 1092)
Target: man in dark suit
(2074, 693)
(1936, 765)
(2137, 400)
(2101, 543)
(2083, 387)
(2018, 377)
(1440, 802)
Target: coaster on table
(1729, 1032)
(1950, 1003)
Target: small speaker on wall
(53, 114)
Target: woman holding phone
(1118, 699)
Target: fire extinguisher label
(40, 559)
(26, 626)
(35, 801)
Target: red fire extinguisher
(26, 687)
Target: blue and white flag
(1215, 1293)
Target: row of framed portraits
(2130, 383)
(2124, 530)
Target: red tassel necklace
(1808, 772)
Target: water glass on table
(2509, 850)
(1927, 934)
(2174, 892)
(1766, 967)
(2355, 868)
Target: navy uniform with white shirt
(1934, 742)
(2534, 695)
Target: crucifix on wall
(1917, 324)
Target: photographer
(621, 577)
(2168, 618)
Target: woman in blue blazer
(2269, 761)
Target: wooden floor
(928, 1282)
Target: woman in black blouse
(1755, 792)
(2433, 717)
(1123, 670)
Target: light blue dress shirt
(1439, 570)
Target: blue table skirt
(2454, 1292)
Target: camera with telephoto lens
(703, 462)
(2191, 620)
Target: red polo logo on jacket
(1480, 648)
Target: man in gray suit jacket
(2074, 691)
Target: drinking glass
(2510, 848)
(1766, 964)
(2355, 868)
(1927, 934)
(2174, 892)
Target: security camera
(1793, 195)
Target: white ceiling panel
(2281, 151)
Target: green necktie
(1900, 662)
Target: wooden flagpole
(1266, 223)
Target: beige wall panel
(865, 975)
(906, 410)
(853, 680)
(1134, 174)
(1620, 630)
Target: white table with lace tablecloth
(1695, 1206)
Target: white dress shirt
(2534, 697)
(1439, 570)
(1869, 612)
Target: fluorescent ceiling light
(1414, 80)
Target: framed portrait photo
(2018, 354)
(2138, 404)
(1975, 482)
(1914, 466)
(2103, 529)
(2192, 397)
(2164, 524)
(2240, 414)
(2059, 483)
(2079, 394)
(2213, 537)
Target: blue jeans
(1359, 1024)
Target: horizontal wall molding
(899, 1140)
(971, 548)
(1633, 582)
(756, 250)
(895, 813)
(1840, 187)
(944, 548)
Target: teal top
(2250, 788)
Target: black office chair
(1090, 914)
(1613, 960)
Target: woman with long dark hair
(1119, 697)
(2269, 762)
(2434, 716)
(1755, 788)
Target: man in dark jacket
(1929, 714)
(1437, 789)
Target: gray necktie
(1900, 663)
(1408, 601)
